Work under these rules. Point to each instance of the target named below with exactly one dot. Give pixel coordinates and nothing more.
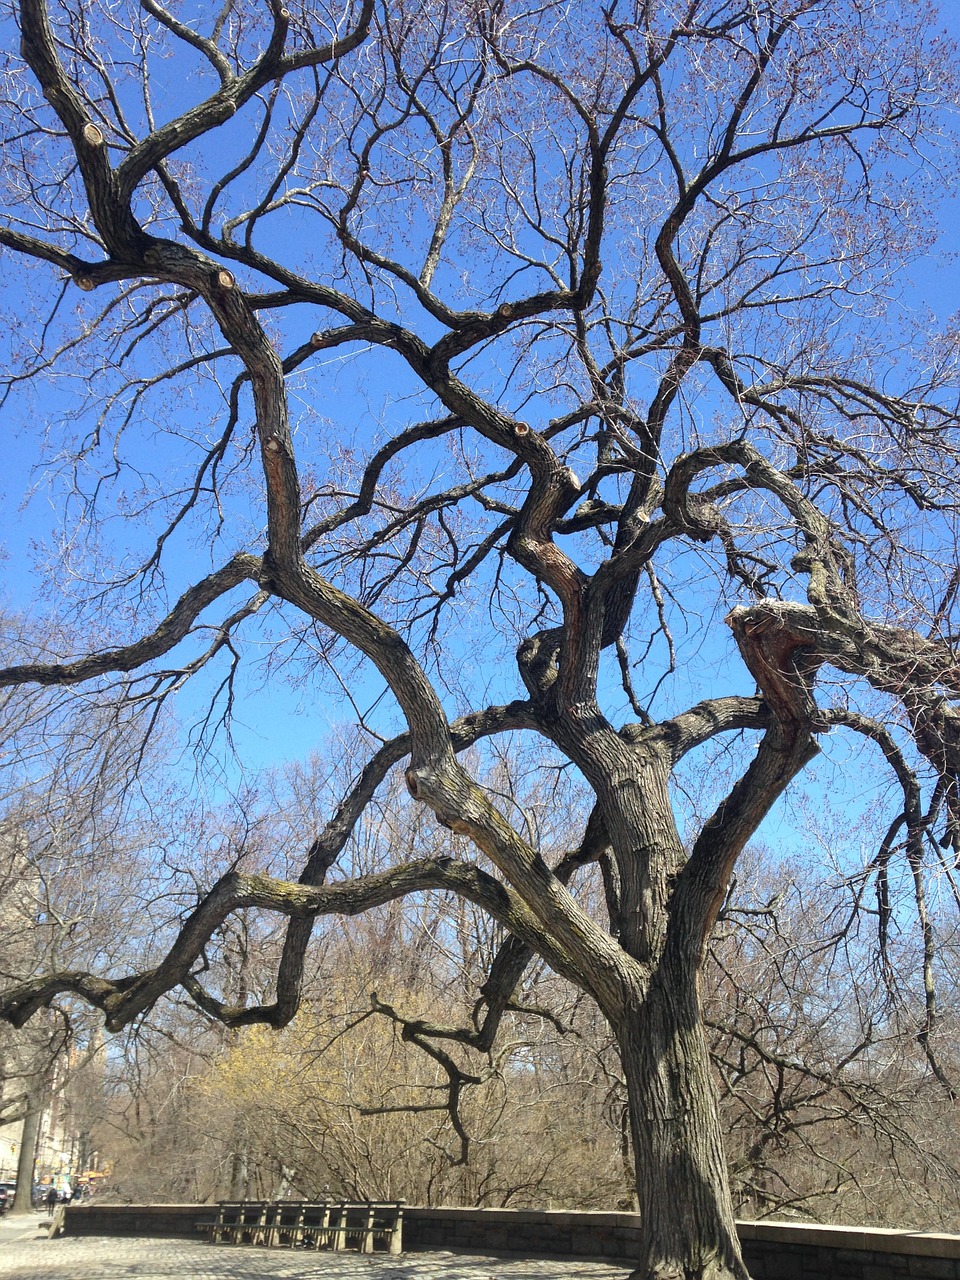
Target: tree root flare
(711, 1271)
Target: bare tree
(614, 285)
(829, 1107)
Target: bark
(239, 1175)
(687, 1224)
(26, 1161)
(688, 1229)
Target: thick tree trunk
(684, 1198)
(688, 1231)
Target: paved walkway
(27, 1254)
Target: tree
(618, 286)
(35, 1061)
(829, 1110)
(73, 840)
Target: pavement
(26, 1253)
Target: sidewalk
(22, 1226)
(27, 1254)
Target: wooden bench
(237, 1222)
(363, 1225)
(286, 1227)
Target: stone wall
(773, 1250)
(178, 1220)
(797, 1251)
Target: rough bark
(688, 1230)
(27, 1158)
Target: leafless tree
(615, 285)
(829, 1107)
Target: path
(27, 1254)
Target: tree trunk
(688, 1230)
(239, 1175)
(26, 1162)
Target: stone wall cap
(928, 1244)
(98, 1206)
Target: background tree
(75, 831)
(828, 1109)
(614, 285)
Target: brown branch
(234, 92)
(168, 633)
(124, 999)
(327, 847)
